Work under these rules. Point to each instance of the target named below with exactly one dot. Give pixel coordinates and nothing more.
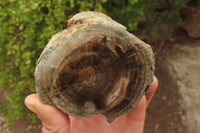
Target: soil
(175, 107)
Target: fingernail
(29, 104)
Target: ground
(175, 107)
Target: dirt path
(20, 126)
(164, 114)
(176, 107)
(184, 68)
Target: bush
(27, 26)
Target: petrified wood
(94, 66)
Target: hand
(54, 121)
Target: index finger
(152, 90)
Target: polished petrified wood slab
(94, 66)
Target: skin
(54, 121)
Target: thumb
(53, 120)
(136, 117)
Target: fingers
(138, 113)
(135, 118)
(152, 90)
(53, 120)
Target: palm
(126, 123)
(97, 124)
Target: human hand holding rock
(55, 121)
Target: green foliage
(27, 25)
(130, 12)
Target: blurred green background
(27, 25)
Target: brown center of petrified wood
(93, 72)
(87, 75)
